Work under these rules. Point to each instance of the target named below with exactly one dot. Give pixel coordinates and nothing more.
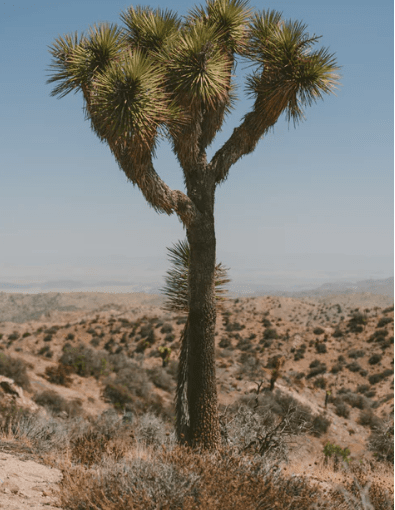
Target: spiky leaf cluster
(160, 74)
(176, 288)
(229, 18)
(76, 61)
(129, 100)
(198, 71)
(150, 30)
(289, 74)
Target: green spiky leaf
(176, 288)
(150, 30)
(77, 61)
(290, 75)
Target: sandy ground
(25, 482)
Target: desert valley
(87, 385)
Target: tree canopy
(166, 76)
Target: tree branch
(156, 192)
(242, 141)
(136, 163)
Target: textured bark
(201, 379)
(182, 410)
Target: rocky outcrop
(11, 393)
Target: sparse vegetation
(15, 369)
(84, 361)
(375, 378)
(381, 441)
(57, 404)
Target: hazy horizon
(311, 205)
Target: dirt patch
(24, 482)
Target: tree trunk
(201, 379)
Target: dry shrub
(59, 374)
(186, 479)
(131, 385)
(44, 432)
(162, 379)
(16, 369)
(91, 447)
(86, 362)
(361, 491)
(381, 441)
(57, 404)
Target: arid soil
(250, 334)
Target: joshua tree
(176, 290)
(165, 76)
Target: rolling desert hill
(335, 354)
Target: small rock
(9, 488)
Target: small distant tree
(165, 76)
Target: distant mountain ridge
(381, 287)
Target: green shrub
(363, 388)
(166, 328)
(354, 367)
(85, 361)
(337, 368)
(270, 333)
(367, 418)
(375, 378)
(332, 450)
(378, 336)
(341, 408)
(224, 342)
(320, 382)
(374, 359)
(337, 333)
(26, 334)
(320, 425)
(161, 379)
(146, 331)
(355, 353)
(320, 348)
(318, 331)
(118, 394)
(355, 400)
(384, 321)
(45, 351)
(316, 368)
(234, 326)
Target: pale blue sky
(315, 202)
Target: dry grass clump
(381, 441)
(16, 369)
(181, 478)
(115, 462)
(360, 490)
(56, 404)
(42, 431)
